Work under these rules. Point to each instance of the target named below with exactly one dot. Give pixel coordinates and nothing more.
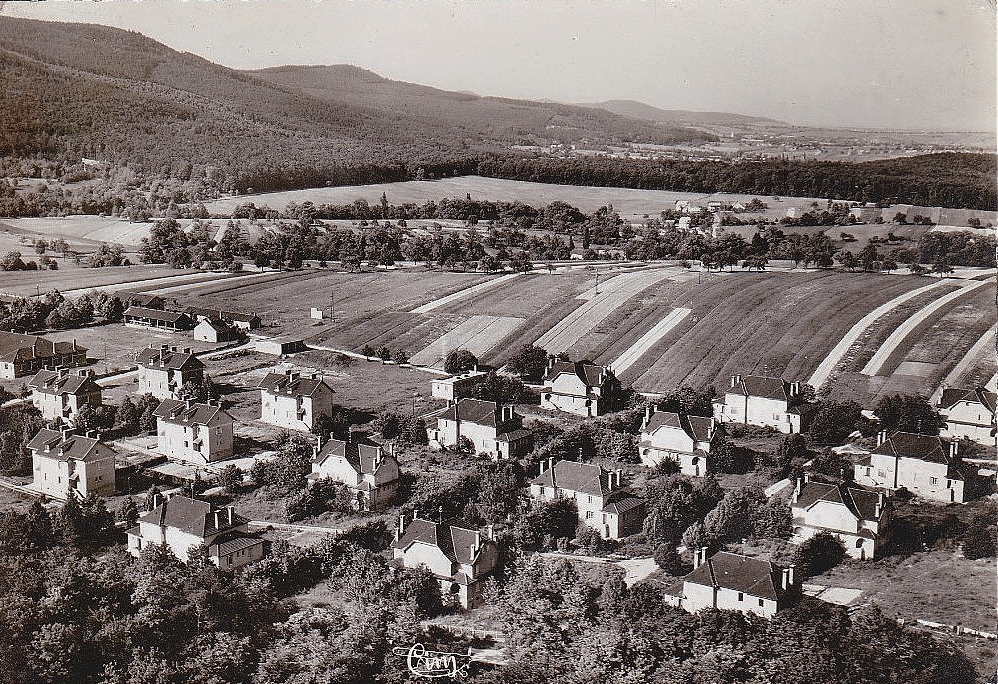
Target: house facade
(291, 400)
(188, 431)
(243, 321)
(214, 330)
(456, 387)
(369, 471)
(164, 370)
(581, 388)
(969, 414)
(731, 581)
(61, 394)
(181, 523)
(603, 503)
(681, 438)
(927, 466)
(761, 401)
(22, 355)
(62, 461)
(858, 516)
(493, 429)
(460, 556)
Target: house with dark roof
(678, 437)
(244, 321)
(165, 369)
(146, 301)
(291, 400)
(189, 431)
(459, 555)
(761, 401)
(63, 461)
(969, 413)
(604, 504)
(456, 387)
(61, 394)
(215, 330)
(492, 428)
(858, 516)
(369, 471)
(731, 581)
(582, 388)
(141, 317)
(925, 465)
(181, 523)
(22, 355)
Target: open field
(661, 329)
(355, 297)
(478, 335)
(76, 281)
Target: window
(880, 473)
(949, 484)
(868, 470)
(589, 515)
(777, 416)
(741, 596)
(762, 604)
(934, 480)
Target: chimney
(794, 388)
(616, 477)
(797, 489)
(218, 525)
(880, 505)
(791, 576)
(490, 532)
(164, 347)
(734, 380)
(415, 513)
(786, 578)
(478, 540)
(187, 350)
(648, 413)
(550, 463)
(231, 513)
(699, 556)
(710, 429)
(155, 500)
(609, 482)
(954, 448)
(881, 437)
(400, 530)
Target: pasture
(76, 281)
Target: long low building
(22, 355)
(141, 317)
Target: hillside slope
(639, 110)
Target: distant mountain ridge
(639, 110)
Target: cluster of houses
(461, 556)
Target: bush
(819, 553)
(981, 538)
(230, 479)
(667, 558)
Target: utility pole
(597, 281)
(330, 306)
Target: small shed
(214, 330)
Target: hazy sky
(875, 63)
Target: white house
(582, 388)
(858, 516)
(164, 370)
(181, 523)
(493, 429)
(603, 503)
(189, 431)
(369, 471)
(731, 581)
(61, 394)
(678, 437)
(761, 401)
(927, 466)
(62, 461)
(292, 401)
(458, 555)
(456, 387)
(969, 413)
(214, 330)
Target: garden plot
(661, 329)
(461, 294)
(478, 334)
(598, 306)
(982, 351)
(876, 364)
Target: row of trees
(55, 311)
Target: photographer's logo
(423, 663)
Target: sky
(903, 64)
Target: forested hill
(81, 90)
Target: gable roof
(53, 444)
(587, 478)
(736, 572)
(192, 516)
(168, 359)
(18, 347)
(454, 539)
(589, 373)
(363, 458)
(860, 501)
(979, 395)
(142, 299)
(473, 411)
(54, 382)
(221, 313)
(292, 384)
(764, 387)
(910, 445)
(696, 427)
(156, 314)
(623, 503)
(215, 324)
(176, 411)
